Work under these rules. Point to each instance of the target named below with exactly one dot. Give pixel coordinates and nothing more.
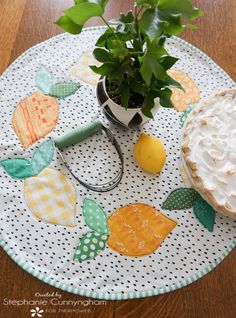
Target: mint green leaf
(185, 114)
(95, 217)
(177, 7)
(68, 25)
(62, 90)
(18, 168)
(82, 12)
(44, 80)
(180, 199)
(204, 213)
(91, 245)
(42, 157)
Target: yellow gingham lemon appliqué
(51, 197)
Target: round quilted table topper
(150, 235)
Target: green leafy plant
(132, 50)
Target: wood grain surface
(24, 23)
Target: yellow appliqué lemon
(51, 197)
(138, 229)
(149, 153)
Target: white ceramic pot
(130, 118)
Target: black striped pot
(129, 118)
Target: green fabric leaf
(44, 80)
(95, 217)
(180, 199)
(185, 114)
(18, 168)
(204, 213)
(42, 157)
(91, 245)
(177, 7)
(82, 12)
(62, 90)
(68, 25)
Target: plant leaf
(101, 55)
(82, 12)
(62, 90)
(102, 3)
(105, 69)
(204, 213)
(95, 217)
(145, 2)
(125, 94)
(91, 245)
(173, 83)
(180, 199)
(176, 7)
(168, 61)
(42, 157)
(44, 80)
(165, 98)
(120, 53)
(18, 168)
(104, 37)
(68, 25)
(150, 63)
(150, 23)
(148, 105)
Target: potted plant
(134, 61)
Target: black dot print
(49, 248)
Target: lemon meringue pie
(208, 151)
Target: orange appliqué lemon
(138, 229)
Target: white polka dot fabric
(48, 250)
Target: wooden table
(24, 23)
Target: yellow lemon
(149, 153)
